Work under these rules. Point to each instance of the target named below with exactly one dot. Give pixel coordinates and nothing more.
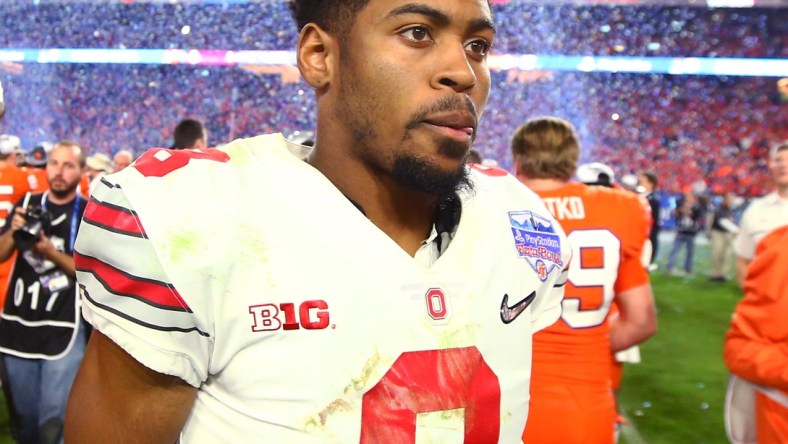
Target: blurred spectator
(648, 181)
(20, 156)
(122, 159)
(596, 173)
(190, 133)
(689, 221)
(11, 147)
(96, 166)
(766, 213)
(36, 161)
(473, 157)
(723, 230)
(2, 101)
(782, 89)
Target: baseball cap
(9, 144)
(37, 157)
(631, 182)
(99, 162)
(596, 173)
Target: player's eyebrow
(439, 17)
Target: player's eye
(478, 47)
(416, 33)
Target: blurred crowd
(690, 129)
(523, 28)
(687, 128)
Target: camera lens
(27, 236)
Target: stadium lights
(715, 66)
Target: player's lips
(459, 126)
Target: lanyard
(73, 237)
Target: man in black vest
(41, 337)
(648, 180)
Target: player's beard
(425, 176)
(64, 191)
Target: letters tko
(311, 315)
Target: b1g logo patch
(536, 242)
(310, 315)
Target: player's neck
(782, 191)
(405, 216)
(541, 184)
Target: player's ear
(317, 55)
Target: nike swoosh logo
(509, 314)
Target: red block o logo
(436, 304)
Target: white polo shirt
(762, 216)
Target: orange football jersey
(607, 229)
(756, 345)
(13, 185)
(84, 185)
(37, 178)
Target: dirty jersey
(246, 273)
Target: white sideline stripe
(630, 433)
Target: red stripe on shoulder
(152, 292)
(113, 218)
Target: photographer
(41, 335)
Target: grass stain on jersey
(336, 406)
(181, 245)
(360, 384)
(351, 392)
(460, 337)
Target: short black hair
(334, 16)
(187, 133)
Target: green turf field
(676, 394)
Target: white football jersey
(246, 273)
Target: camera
(39, 221)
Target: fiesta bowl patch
(535, 241)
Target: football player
(358, 291)
(571, 393)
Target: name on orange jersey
(563, 208)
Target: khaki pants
(721, 252)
